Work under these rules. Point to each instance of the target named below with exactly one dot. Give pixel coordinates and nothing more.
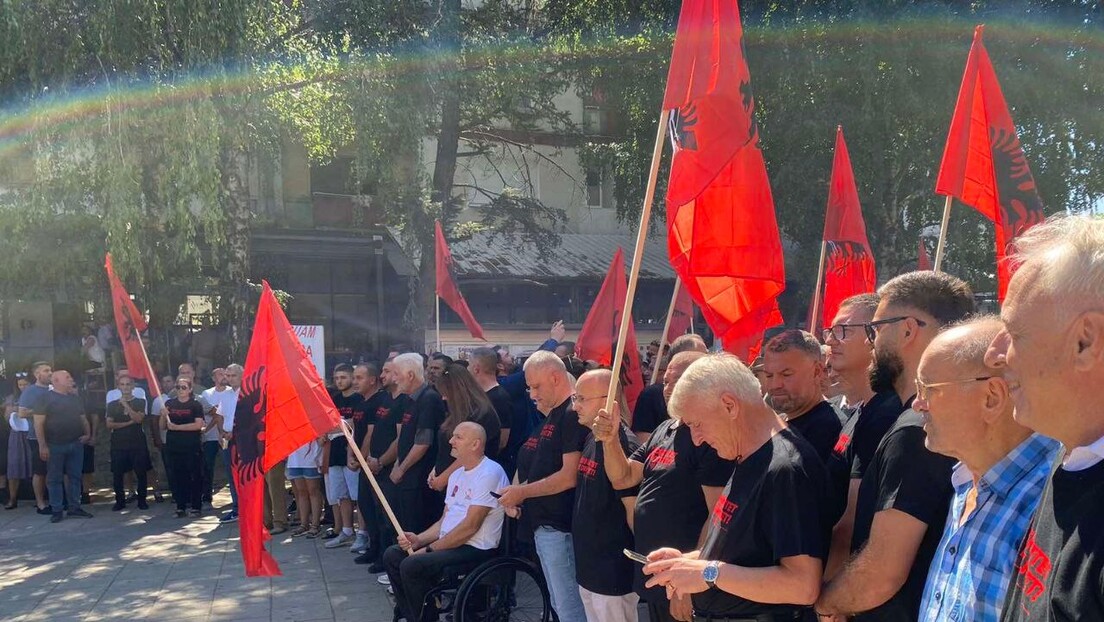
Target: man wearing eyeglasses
(997, 483)
(904, 495)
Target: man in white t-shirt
(226, 410)
(466, 534)
(216, 400)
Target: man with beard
(679, 481)
(1051, 349)
(794, 371)
(904, 495)
(651, 406)
(436, 366)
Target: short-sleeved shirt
(821, 427)
(387, 420)
(670, 507)
(132, 436)
(650, 410)
(467, 488)
(603, 531)
(367, 412)
(857, 442)
(424, 414)
(541, 456)
(772, 508)
(906, 477)
(64, 417)
(346, 407)
(29, 399)
(183, 413)
(503, 407)
(486, 418)
(225, 403)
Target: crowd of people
(919, 462)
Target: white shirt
(115, 395)
(1081, 458)
(158, 404)
(467, 488)
(224, 401)
(309, 456)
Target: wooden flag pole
(347, 430)
(818, 295)
(638, 253)
(438, 315)
(943, 235)
(666, 327)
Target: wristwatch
(710, 573)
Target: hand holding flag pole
(348, 432)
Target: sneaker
(196, 512)
(342, 539)
(46, 511)
(377, 567)
(79, 513)
(360, 546)
(55, 517)
(119, 505)
(384, 579)
(229, 517)
(142, 505)
(330, 534)
(390, 590)
(365, 558)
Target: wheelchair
(503, 588)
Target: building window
(594, 187)
(592, 120)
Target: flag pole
(638, 253)
(818, 295)
(345, 429)
(438, 315)
(943, 235)
(666, 327)
(155, 387)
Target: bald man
(62, 431)
(1002, 468)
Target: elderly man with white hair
(547, 466)
(1051, 351)
(419, 506)
(767, 539)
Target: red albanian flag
(722, 235)
(983, 163)
(446, 286)
(130, 324)
(849, 268)
(282, 405)
(682, 316)
(596, 339)
(923, 261)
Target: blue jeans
(557, 560)
(65, 459)
(230, 479)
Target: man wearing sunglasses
(904, 495)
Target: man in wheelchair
(466, 535)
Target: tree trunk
(234, 171)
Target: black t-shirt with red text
(602, 531)
(670, 507)
(857, 442)
(542, 455)
(821, 427)
(347, 408)
(1060, 573)
(377, 411)
(425, 411)
(773, 507)
(906, 477)
(183, 413)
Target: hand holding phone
(636, 557)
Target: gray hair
(966, 342)
(234, 367)
(712, 375)
(410, 362)
(544, 360)
(1069, 251)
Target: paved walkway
(149, 565)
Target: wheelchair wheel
(501, 590)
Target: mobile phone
(636, 557)
(496, 495)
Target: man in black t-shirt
(129, 451)
(651, 406)
(679, 483)
(342, 483)
(767, 536)
(794, 371)
(62, 431)
(548, 465)
(382, 451)
(416, 449)
(602, 514)
(373, 399)
(904, 495)
(482, 368)
(1052, 354)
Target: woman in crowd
(17, 461)
(306, 483)
(182, 419)
(466, 402)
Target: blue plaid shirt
(975, 561)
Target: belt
(763, 617)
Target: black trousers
(186, 476)
(126, 460)
(660, 612)
(380, 532)
(412, 576)
(419, 506)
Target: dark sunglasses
(872, 327)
